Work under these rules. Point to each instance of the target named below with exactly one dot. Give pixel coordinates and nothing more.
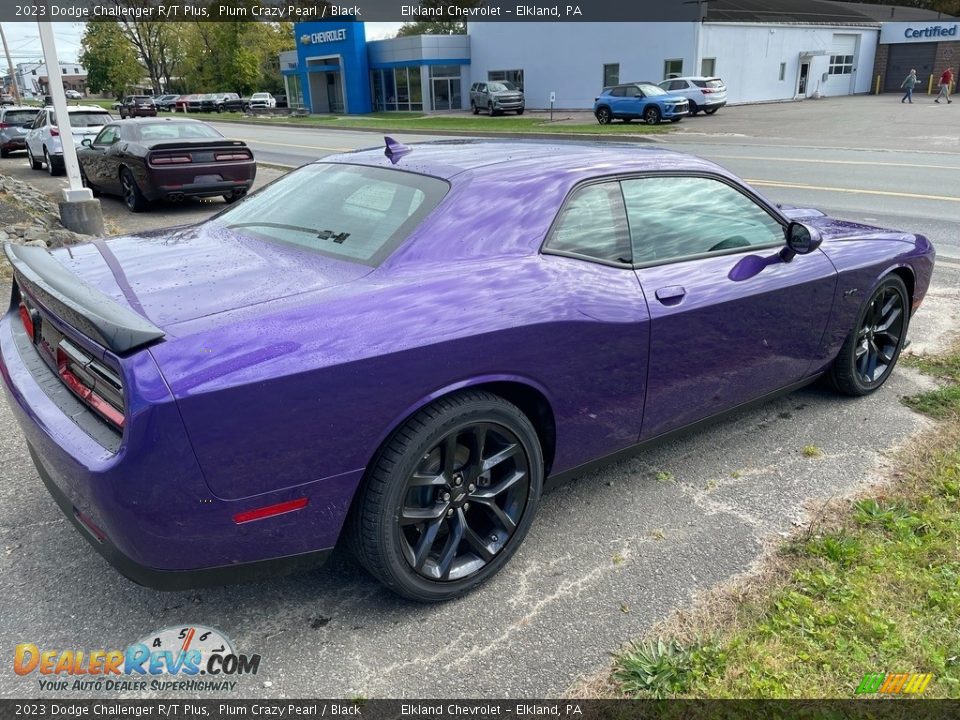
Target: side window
(107, 136)
(675, 217)
(678, 85)
(593, 223)
(619, 92)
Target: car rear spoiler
(77, 303)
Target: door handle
(671, 295)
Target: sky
(24, 39)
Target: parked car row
(671, 100)
(141, 159)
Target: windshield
(649, 90)
(497, 87)
(89, 119)
(350, 212)
(509, 85)
(19, 117)
(167, 130)
(262, 96)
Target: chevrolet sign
(323, 37)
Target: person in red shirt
(945, 81)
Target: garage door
(906, 56)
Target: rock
(35, 243)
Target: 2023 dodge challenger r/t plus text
(398, 349)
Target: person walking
(946, 80)
(908, 83)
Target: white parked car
(45, 143)
(704, 93)
(262, 101)
(73, 95)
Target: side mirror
(801, 240)
(86, 142)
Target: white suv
(44, 142)
(704, 93)
(262, 101)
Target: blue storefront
(335, 70)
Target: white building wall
(568, 58)
(748, 58)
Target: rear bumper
(144, 504)
(174, 183)
(14, 144)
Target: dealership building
(775, 50)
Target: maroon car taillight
(93, 382)
(171, 159)
(222, 157)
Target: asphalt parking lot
(609, 554)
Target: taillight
(95, 384)
(4, 126)
(28, 316)
(171, 159)
(270, 511)
(221, 157)
(55, 131)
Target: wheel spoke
(889, 305)
(871, 364)
(491, 492)
(498, 512)
(449, 454)
(425, 543)
(885, 354)
(477, 544)
(419, 479)
(457, 523)
(413, 516)
(503, 455)
(888, 321)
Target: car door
(725, 329)
(99, 164)
(34, 136)
(606, 331)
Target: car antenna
(395, 150)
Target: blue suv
(635, 101)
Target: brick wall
(948, 56)
(879, 66)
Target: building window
(510, 76)
(611, 74)
(708, 67)
(841, 64)
(783, 72)
(672, 68)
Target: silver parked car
(45, 143)
(496, 97)
(704, 93)
(15, 120)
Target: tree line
(233, 56)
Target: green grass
(945, 400)
(875, 588)
(467, 124)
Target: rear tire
(132, 197)
(412, 525)
(53, 167)
(604, 117)
(34, 164)
(474, 108)
(873, 346)
(711, 111)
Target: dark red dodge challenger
(146, 159)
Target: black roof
(827, 12)
(894, 13)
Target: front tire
(694, 108)
(474, 108)
(873, 347)
(449, 497)
(652, 115)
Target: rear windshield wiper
(322, 234)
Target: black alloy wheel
(449, 498)
(652, 115)
(870, 352)
(603, 116)
(53, 168)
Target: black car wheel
(490, 109)
(872, 348)
(710, 111)
(651, 115)
(694, 108)
(603, 116)
(449, 498)
(132, 196)
(520, 111)
(474, 108)
(4, 153)
(86, 183)
(53, 167)
(34, 164)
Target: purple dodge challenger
(398, 350)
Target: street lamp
(79, 211)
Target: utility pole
(13, 77)
(79, 211)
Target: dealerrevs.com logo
(192, 658)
